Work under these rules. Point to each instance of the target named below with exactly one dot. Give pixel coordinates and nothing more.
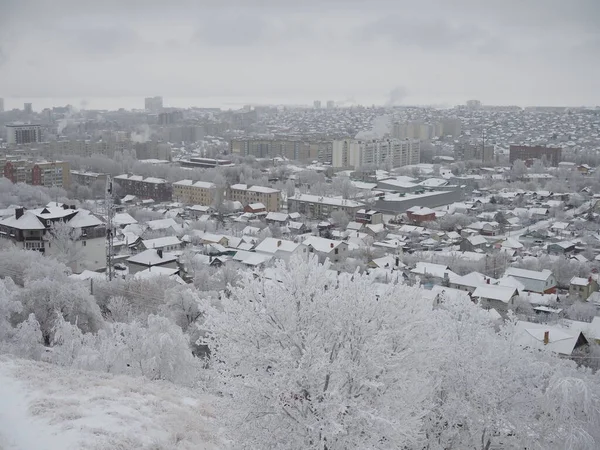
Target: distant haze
(544, 52)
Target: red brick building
(528, 153)
(420, 214)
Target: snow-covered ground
(45, 407)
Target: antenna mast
(110, 215)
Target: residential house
(255, 208)
(582, 287)
(552, 338)
(151, 258)
(491, 296)
(166, 244)
(474, 243)
(560, 248)
(280, 248)
(326, 248)
(368, 216)
(418, 214)
(277, 218)
(543, 282)
(485, 228)
(431, 273)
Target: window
(337, 250)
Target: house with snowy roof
(281, 248)
(551, 338)
(582, 287)
(543, 281)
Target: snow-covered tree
(183, 306)
(27, 341)
(340, 218)
(316, 364)
(490, 391)
(48, 298)
(62, 242)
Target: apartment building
(473, 151)
(352, 153)
(528, 153)
(270, 148)
(37, 173)
(315, 206)
(87, 178)
(23, 133)
(194, 193)
(247, 195)
(157, 189)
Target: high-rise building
(1, 105)
(28, 108)
(378, 152)
(330, 104)
(528, 153)
(473, 151)
(153, 104)
(38, 173)
(317, 104)
(23, 133)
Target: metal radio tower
(110, 215)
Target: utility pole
(483, 145)
(110, 215)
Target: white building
(543, 282)
(23, 133)
(393, 152)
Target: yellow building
(248, 195)
(198, 193)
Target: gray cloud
(440, 51)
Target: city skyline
(387, 53)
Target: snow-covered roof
(333, 201)
(420, 211)
(88, 274)
(161, 242)
(272, 245)
(84, 219)
(257, 205)
(161, 224)
(387, 261)
(431, 269)
(123, 219)
(28, 221)
(277, 216)
(494, 292)
(320, 244)
(529, 274)
(577, 281)
(477, 240)
(151, 258)
(434, 182)
(511, 243)
(560, 340)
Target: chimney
(278, 243)
(590, 279)
(546, 337)
(19, 212)
(331, 245)
(160, 253)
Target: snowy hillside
(45, 407)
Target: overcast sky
(446, 51)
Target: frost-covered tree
(156, 349)
(183, 306)
(340, 218)
(492, 392)
(62, 242)
(27, 341)
(49, 298)
(319, 364)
